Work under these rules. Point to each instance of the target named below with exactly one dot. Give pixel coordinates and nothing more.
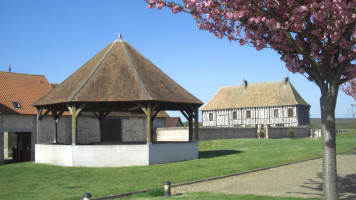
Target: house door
(22, 153)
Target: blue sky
(54, 38)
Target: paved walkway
(296, 180)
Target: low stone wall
(172, 134)
(212, 133)
(115, 155)
(173, 152)
(282, 132)
(205, 133)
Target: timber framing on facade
(273, 103)
(118, 79)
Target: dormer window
(16, 104)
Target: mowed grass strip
(217, 158)
(213, 196)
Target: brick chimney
(244, 82)
(286, 80)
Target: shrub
(291, 133)
(261, 133)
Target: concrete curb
(208, 179)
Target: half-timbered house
(257, 104)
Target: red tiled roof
(22, 88)
(173, 122)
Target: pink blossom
(323, 28)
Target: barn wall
(18, 123)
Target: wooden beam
(196, 120)
(149, 122)
(75, 111)
(54, 116)
(143, 108)
(184, 114)
(74, 124)
(39, 118)
(101, 116)
(46, 113)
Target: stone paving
(296, 180)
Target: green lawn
(217, 158)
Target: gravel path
(296, 180)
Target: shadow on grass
(217, 153)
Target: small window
(234, 115)
(276, 113)
(16, 104)
(248, 114)
(211, 117)
(290, 112)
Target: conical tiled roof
(276, 93)
(118, 73)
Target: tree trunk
(328, 104)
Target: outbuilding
(117, 79)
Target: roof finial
(120, 37)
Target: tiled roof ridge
(270, 82)
(21, 73)
(132, 64)
(93, 72)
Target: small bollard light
(354, 150)
(87, 196)
(167, 189)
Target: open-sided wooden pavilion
(118, 79)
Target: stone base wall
(282, 132)
(226, 133)
(115, 155)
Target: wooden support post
(101, 116)
(149, 113)
(39, 118)
(75, 111)
(149, 123)
(196, 120)
(54, 115)
(190, 127)
(189, 117)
